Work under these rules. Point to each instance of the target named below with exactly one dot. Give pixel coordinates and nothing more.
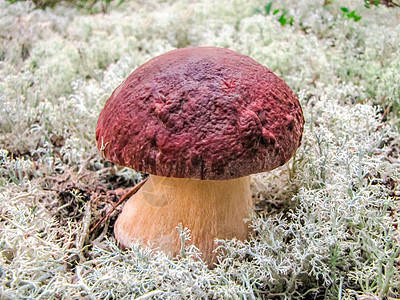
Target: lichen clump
(326, 223)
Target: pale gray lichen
(326, 224)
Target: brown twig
(127, 195)
(386, 111)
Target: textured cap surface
(205, 113)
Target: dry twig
(127, 195)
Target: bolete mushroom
(200, 121)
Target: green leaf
(268, 8)
(282, 20)
(352, 14)
(344, 9)
(275, 11)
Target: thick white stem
(209, 208)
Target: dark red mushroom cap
(201, 113)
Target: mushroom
(200, 121)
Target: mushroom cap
(201, 113)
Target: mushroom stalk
(209, 208)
